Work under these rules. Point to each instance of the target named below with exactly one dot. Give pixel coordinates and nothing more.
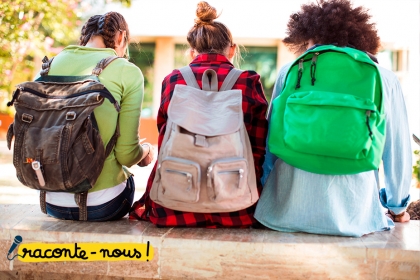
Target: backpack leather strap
(9, 136)
(97, 71)
(209, 80)
(81, 201)
(113, 140)
(228, 83)
(189, 77)
(43, 201)
(46, 64)
(231, 79)
(103, 64)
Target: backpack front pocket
(330, 124)
(227, 179)
(180, 180)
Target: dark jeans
(111, 210)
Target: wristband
(150, 147)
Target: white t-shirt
(93, 199)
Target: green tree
(34, 28)
(30, 28)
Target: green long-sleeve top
(126, 83)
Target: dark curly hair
(332, 22)
(107, 26)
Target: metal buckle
(70, 116)
(27, 118)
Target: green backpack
(329, 117)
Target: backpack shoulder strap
(103, 64)
(189, 77)
(46, 64)
(231, 79)
(97, 71)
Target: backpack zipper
(240, 172)
(313, 67)
(299, 73)
(188, 175)
(103, 92)
(183, 161)
(16, 94)
(368, 113)
(321, 52)
(222, 160)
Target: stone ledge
(211, 253)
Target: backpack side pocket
(227, 179)
(179, 180)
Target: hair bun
(205, 13)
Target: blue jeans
(112, 210)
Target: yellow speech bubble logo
(42, 252)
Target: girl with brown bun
(211, 46)
(112, 195)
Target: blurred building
(161, 26)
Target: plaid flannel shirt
(254, 106)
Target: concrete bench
(210, 253)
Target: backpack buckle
(27, 118)
(71, 116)
(36, 166)
(200, 140)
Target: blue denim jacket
(295, 200)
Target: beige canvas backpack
(205, 162)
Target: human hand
(400, 218)
(149, 152)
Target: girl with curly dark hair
(332, 22)
(295, 200)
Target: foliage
(143, 56)
(262, 60)
(416, 167)
(31, 29)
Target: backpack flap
(205, 112)
(55, 96)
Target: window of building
(262, 60)
(143, 55)
(394, 60)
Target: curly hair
(107, 26)
(332, 22)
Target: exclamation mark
(147, 252)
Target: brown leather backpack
(57, 145)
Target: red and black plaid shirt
(254, 106)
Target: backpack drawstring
(299, 73)
(368, 112)
(313, 68)
(14, 96)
